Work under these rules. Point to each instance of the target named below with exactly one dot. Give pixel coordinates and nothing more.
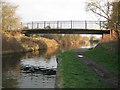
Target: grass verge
(105, 58)
(76, 74)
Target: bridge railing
(65, 25)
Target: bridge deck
(65, 27)
(66, 31)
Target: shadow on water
(10, 69)
(15, 77)
(35, 69)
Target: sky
(51, 10)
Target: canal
(33, 69)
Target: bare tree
(109, 11)
(100, 8)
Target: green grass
(105, 58)
(76, 74)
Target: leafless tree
(109, 11)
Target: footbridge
(65, 27)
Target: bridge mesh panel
(78, 24)
(93, 25)
(51, 24)
(65, 24)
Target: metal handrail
(71, 24)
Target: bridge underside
(65, 31)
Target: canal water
(31, 70)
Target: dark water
(14, 77)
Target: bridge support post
(110, 33)
(102, 36)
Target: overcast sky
(40, 10)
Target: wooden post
(85, 24)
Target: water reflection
(10, 70)
(14, 77)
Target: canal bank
(13, 42)
(31, 69)
(17, 42)
(73, 70)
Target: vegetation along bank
(74, 73)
